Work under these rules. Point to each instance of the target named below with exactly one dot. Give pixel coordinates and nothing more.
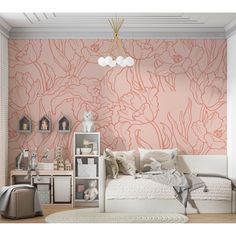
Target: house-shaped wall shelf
(44, 125)
(25, 125)
(64, 125)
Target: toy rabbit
(33, 165)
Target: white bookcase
(86, 159)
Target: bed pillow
(125, 161)
(166, 157)
(112, 168)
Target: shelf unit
(54, 187)
(85, 165)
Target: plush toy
(33, 165)
(91, 192)
(88, 123)
(153, 166)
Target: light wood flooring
(193, 218)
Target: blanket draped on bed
(182, 184)
(5, 194)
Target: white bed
(127, 194)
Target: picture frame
(64, 125)
(44, 125)
(25, 125)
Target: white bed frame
(213, 164)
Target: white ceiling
(136, 25)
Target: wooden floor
(193, 218)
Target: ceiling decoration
(137, 25)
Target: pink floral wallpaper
(174, 95)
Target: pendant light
(121, 59)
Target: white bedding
(126, 187)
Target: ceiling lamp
(120, 60)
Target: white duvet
(126, 187)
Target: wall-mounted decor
(25, 125)
(45, 124)
(64, 125)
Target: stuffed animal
(88, 124)
(153, 166)
(33, 165)
(91, 192)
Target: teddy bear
(91, 192)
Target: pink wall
(174, 96)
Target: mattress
(127, 187)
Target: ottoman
(21, 204)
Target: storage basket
(87, 170)
(44, 197)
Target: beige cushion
(126, 161)
(166, 157)
(112, 168)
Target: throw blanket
(5, 194)
(183, 184)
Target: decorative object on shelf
(116, 43)
(58, 153)
(55, 165)
(88, 124)
(77, 151)
(33, 165)
(25, 125)
(68, 165)
(80, 191)
(86, 150)
(64, 125)
(45, 124)
(45, 157)
(91, 192)
(94, 146)
(59, 162)
(23, 154)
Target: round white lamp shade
(108, 60)
(119, 60)
(112, 63)
(101, 61)
(129, 61)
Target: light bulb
(119, 60)
(113, 63)
(129, 61)
(101, 61)
(123, 64)
(108, 60)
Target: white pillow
(125, 161)
(166, 157)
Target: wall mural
(174, 95)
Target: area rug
(91, 216)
